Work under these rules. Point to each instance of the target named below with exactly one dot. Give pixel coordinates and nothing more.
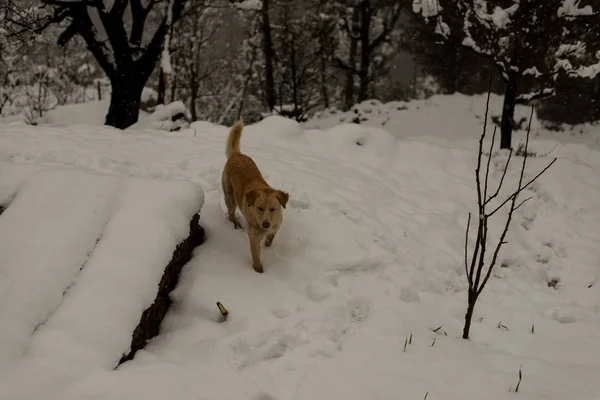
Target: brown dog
(245, 187)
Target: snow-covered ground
(369, 254)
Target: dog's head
(265, 206)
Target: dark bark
(193, 99)
(269, 54)
(469, 315)
(99, 88)
(350, 71)
(365, 51)
(323, 73)
(152, 317)
(294, 78)
(173, 85)
(508, 112)
(162, 87)
(125, 102)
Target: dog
(245, 188)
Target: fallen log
(152, 317)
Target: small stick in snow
(223, 310)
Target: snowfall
(368, 264)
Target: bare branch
(480, 202)
(487, 168)
(466, 251)
(523, 202)
(346, 25)
(513, 207)
(515, 194)
(501, 179)
(389, 25)
(342, 65)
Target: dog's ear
(251, 197)
(283, 197)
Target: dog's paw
(269, 241)
(237, 225)
(258, 269)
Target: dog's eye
(272, 209)
(261, 209)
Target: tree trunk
(162, 87)
(508, 113)
(294, 79)
(470, 308)
(173, 87)
(349, 87)
(365, 56)
(323, 73)
(269, 54)
(125, 102)
(193, 100)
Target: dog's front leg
(269, 238)
(255, 240)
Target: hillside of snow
(370, 254)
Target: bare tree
(480, 268)
(39, 95)
(301, 47)
(368, 28)
(194, 54)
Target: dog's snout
(266, 224)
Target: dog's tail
(233, 141)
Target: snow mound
(81, 255)
(169, 117)
(365, 145)
(46, 235)
(275, 125)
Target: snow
(369, 254)
(77, 277)
(533, 95)
(162, 117)
(254, 5)
(501, 16)
(583, 71)
(577, 49)
(90, 113)
(86, 68)
(428, 8)
(570, 8)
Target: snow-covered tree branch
(522, 38)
